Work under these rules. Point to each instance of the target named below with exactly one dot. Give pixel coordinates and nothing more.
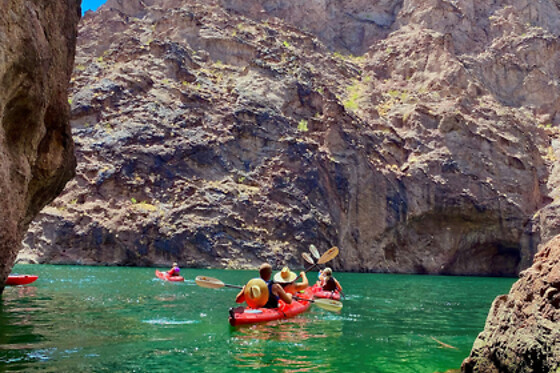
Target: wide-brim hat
(285, 276)
(256, 293)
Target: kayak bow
(14, 280)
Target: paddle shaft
(305, 271)
(328, 304)
(305, 299)
(233, 286)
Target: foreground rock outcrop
(36, 147)
(521, 333)
(214, 133)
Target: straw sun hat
(285, 276)
(256, 293)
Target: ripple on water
(170, 322)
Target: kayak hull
(165, 276)
(14, 280)
(318, 292)
(247, 315)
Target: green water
(106, 319)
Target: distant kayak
(318, 292)
(165, 276)
(14, 280)
(247, 315)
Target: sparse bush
(302, 126)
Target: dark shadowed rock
(36, 148)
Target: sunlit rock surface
(227, 133)
(521, 333)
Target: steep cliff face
(343, 26)
(36, 148)
(216, 133)
(521, 333)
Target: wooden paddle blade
(209, 282)
(308, 258)
(328, 304)
(329, 255)
(313, 250)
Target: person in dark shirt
(275, 291)
(328, 282)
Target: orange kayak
(247, 315)
(14, 280)
(165, 276)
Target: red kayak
(318, 292)
(165, 276)
(20, 279)
(247, 315)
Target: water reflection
(18, 336)
(285, 345)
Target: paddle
(327, 304)
(329, 255)
(308, 258)
(313, 251)
(214, 283)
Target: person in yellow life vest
(264, 293)
(286, 278)
(328, 282)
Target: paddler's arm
(337, 285)
(278, 290)
(304, 284)
(240, 298)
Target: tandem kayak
(318, 292)
(247, 315)
(165, 276)
(14, 280)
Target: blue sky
(91, 4)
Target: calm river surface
(116, 319)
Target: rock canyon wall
(521, 333)
(36, 149)
(226, 133)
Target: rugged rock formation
(36, 149)
(521, 333)
(213, 133)
(343, 26)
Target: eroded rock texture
(37, 44)
(216, 133)
(522, 333)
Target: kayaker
(286, 278)
(174, 271)
(328, 282)
(275, 291)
